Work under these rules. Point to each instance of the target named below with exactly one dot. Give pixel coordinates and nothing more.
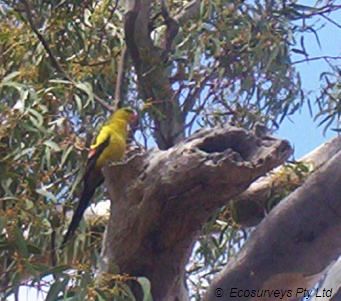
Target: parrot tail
(84, 201)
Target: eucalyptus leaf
(146, 288)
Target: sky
(301, 130)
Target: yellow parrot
(110, 145)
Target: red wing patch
(92, 152)
(93, 155)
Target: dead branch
(166, 196)
(153, 77)
(251, 204)
(294, 244)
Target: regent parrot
(110, 145)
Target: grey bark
(293, 245)
(251, 203)
(154, 84)
(161, 199)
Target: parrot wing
(93, 157)
(93, 178)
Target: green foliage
(220, 241)
(45, 125)
(246, 49)
(291, 177)
(329, 100)
(231, 64)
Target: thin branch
(324, 57)
(192, 97)
(54, 61)
(103, 103)
(191, 10)
(112, 11)
(120, 77)
(327, 9)
(171, 31)
(332, 21)
(93, 64)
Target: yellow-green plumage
(110, 145)
(116, 129)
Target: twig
(332, 21)
(93, 64)
(191, 98)
(103, 103)
(171, 32)
(112, 11)
(120, 78)
(325, 57)
(52, 58)
(54, 61)
(190, 11)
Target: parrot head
(127, 113)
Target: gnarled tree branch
(153, 77)
(166, 197)
(295, 242)
(251, 204)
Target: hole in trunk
(237, 144)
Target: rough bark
(161, 199)
(190, 11)
(332, 283)
(255, 197)
(293, 245)
(251, 204)
(151, 70)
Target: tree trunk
(161, 199)
(293, 245)
(250, 206)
